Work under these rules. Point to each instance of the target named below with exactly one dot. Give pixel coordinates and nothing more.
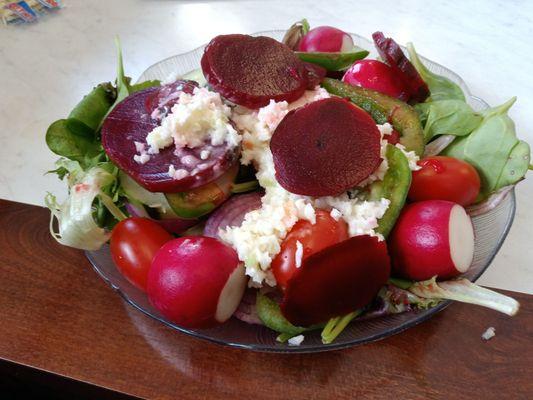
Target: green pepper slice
(383, 109)
(333, 61)
(394, 187)
(270, 314)
(204, 199)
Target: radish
(326, 39)
(432, 238)
(196, 281)
(375, 75)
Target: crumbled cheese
(335, 214)
(296, 340)
(194, 119)
(489, 333)
(258, 239)
(298, 254)
(361, 216)
(411, 157)
(204, 154)
(143, 157)
(381, 170)
(177, 173)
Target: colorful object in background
(16, 12)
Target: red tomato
(134, 242)
(313, 238)
(445, 178)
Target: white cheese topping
(296, 340)
(489, 333)
(257, 241)
(143, 157)
(193, 120)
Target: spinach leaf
(88, 114)
(62, 141)
(516, 166)
(441, 88)
(494, 150)
(447, 117)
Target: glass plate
(490, 230)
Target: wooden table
(60, 323)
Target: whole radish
(196, 281)
(326, 39)
(432, 238)
(375, 75)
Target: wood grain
(57, 315)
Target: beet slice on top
(393, 55)
(325, 148)
(337, 280)
(250, 71)
(135, 117)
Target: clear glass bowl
(490, 230)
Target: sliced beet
(337, 280)
(325, 148)
(250, 70)
(315, 74)
(393, 55)
(135, 117)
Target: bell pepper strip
(383, 109)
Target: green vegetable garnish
(394, 187)
(333, 61)
(440, 87)
(447, 117)
(383, 109)
(494, 150)
(270, 314)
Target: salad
(297, 184)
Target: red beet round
(325, 148)
(315, 74)
(337, 280)
(135, 117)
(392, 53)
(251, 70)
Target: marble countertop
(46, 68)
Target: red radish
(326, 39)
(196, 281)
(432, 238)
(336, 280)
(375, 75)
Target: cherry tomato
(134, 242)
(324, 233)
(375, 75)
(445, 178)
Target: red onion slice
(246, 312)
(490, 203)
(172, 225)
(232, 212)
(436, 146)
